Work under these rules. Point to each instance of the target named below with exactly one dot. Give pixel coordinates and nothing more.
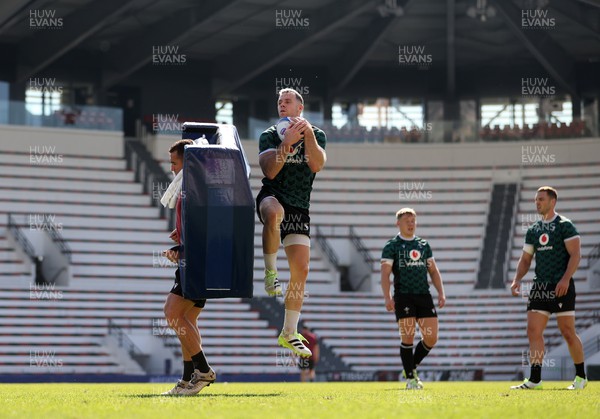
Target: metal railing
(148, 172)
(61, 242)
(125, 342)
(327, 249)
(20, 238)
(591, 346)
(366, 255)
(584, 320)
(511, 234)
(360, 246)
(594, 255)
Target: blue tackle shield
(217, 215)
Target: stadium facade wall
(452, 154)
(481, 154)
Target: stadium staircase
(497, 235)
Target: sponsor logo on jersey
(296, 157)
(541, 249)
(415, 255)
(544, 240)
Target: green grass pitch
(295, 400)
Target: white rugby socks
(290, 322)
(270, 261)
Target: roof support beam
(44, 48)
(255, 58)
(136, 52)
(559, 65)
(450, 49)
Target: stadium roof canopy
(448, 48)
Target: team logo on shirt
(415, 255)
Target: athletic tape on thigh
(544, 312)
(292, 239)
(565, 313)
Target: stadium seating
(578, 190)
(72, 322)
(116, 235)
(480, 330)
(116, 238)
(575, 129)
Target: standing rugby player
(557, 247)
(410, 258)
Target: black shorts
(414, 305)
(295, 220)
(542, 297)
(178, 291)
(306, 363)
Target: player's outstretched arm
(386, 270)
(436, 280)
(522, 269)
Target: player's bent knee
(273, 219)
(272, 214)
(430, 341)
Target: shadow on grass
(201, 395)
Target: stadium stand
(480, 330)
(116, 237)
(414, 134)
(114, 231)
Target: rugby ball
(282, 126)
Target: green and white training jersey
(409, 264)
(547, 240)
(293, 183)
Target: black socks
(200, 362)
(408, 362)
